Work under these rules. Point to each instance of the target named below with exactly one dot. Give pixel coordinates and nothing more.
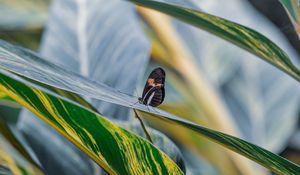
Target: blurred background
(225, 87)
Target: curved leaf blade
(113, 148)
(264, 157)
(28, 64)
(239, 35)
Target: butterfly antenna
(143, 126)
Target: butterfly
(154, 90)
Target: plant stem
(143, 126)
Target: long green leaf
(264, 157)
(31, 66)
(113, 148)
(239, 35)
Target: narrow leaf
(239, 35)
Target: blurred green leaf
(28, 39)
(239, 35)
(22, 21)
(9, 109)
(292, 7)
(26, 63)
(113, 148)
(13, 157)
(23, 14)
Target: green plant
(70, 102)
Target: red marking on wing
(151, 82)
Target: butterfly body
(154, 90)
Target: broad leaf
(242, 36)
(27, 64)
(35, 130)
(93, 40)
(113, 148)
(101, 40)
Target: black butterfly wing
(158, 75)
(156, 94)
(158, 97)
(147, 88)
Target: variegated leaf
(113, 148)
(16, 60)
